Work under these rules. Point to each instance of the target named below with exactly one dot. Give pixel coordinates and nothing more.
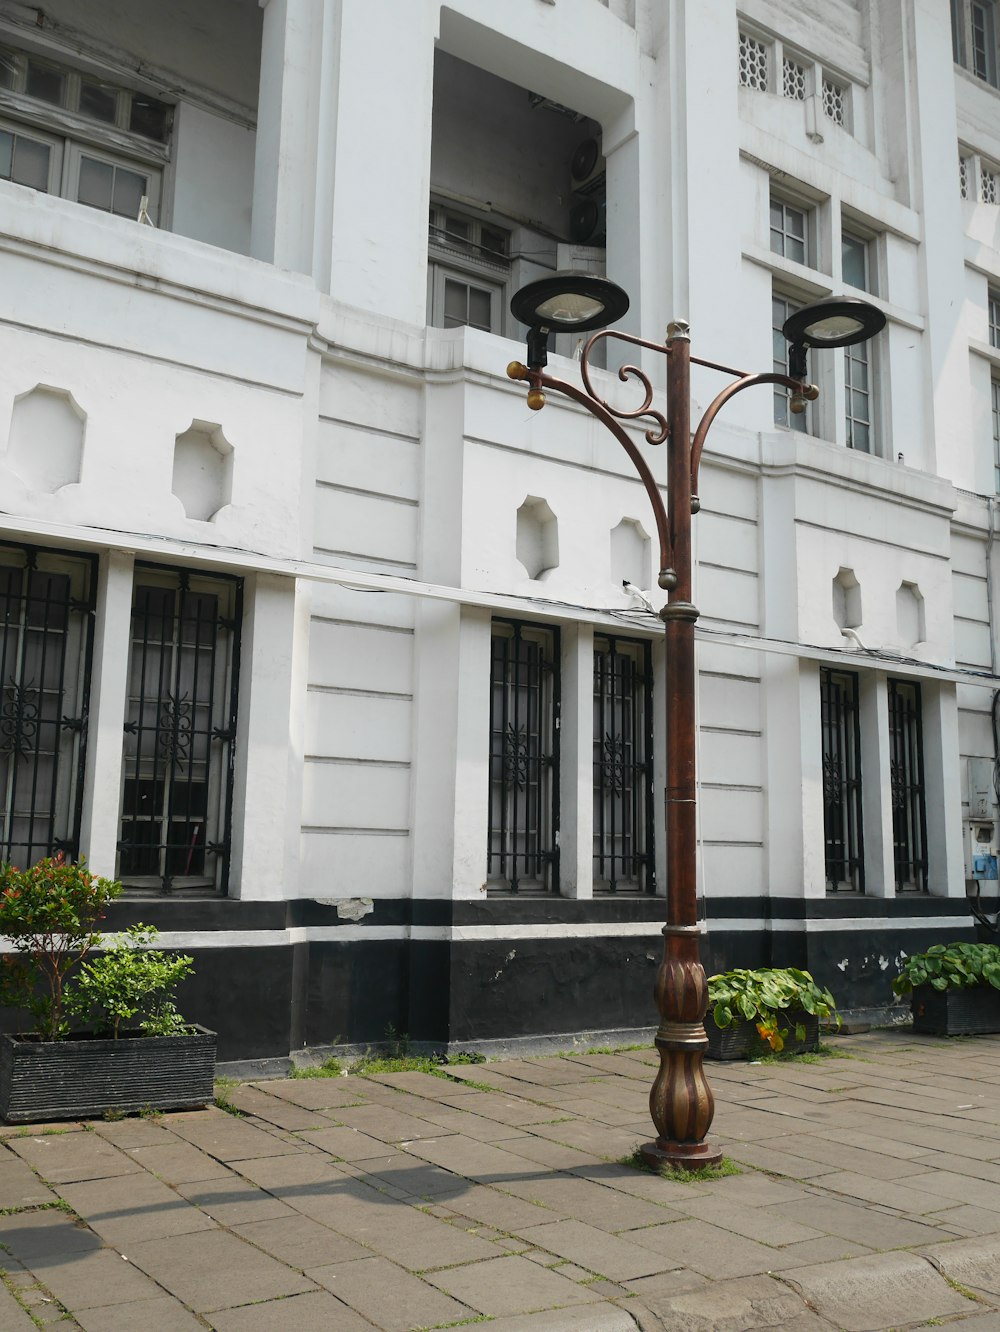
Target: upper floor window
(858, 403)
(781, 307)
(974, 34)
(467, 272)
(978, 178)
(995, 422)
(66, 132)
(857, 261)
(993, 301)
(790, 230)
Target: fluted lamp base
(680, 1155)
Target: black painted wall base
(268, 1001)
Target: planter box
(84, 1076)
(971, 1012)
(740, 1040)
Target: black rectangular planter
(84, 1076)
(740, 1039)
(971, 1012)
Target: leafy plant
(130, 980)
(49, 913)
(956, 966)
(765, 996)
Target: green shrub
(49, 913)
(130, 980)
(956, 966)
(765, 996)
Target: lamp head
(835, 321)
(569, 303)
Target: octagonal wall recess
(911, 622)
(846, 592)
(537, 546)
(630, 554)
(45, 447)
(203, 470)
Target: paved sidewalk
(869, 1198)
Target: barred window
(909, 817)
(46, 646)
(842, 826)
(623, 766)
(180, 730)
(524, 758)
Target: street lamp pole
(680, 1100)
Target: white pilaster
(576, 797)
(108, 696)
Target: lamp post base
(680, 1155)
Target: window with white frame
(858, 401)
(781, 307)
(180, 730)
(46, 645)
(467, 272)
(995, 422)
(857, 260)
(69, 132)
(767, 64)
(975, 30)
(790, 226)
(993, 316)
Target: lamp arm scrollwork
(720, 400)
(657, 433)
(607, 416)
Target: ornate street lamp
(680, 1100)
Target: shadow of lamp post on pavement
(680, 1100)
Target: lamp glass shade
(569, 302)
(569, 307)
(833, 328)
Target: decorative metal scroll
(658, 432)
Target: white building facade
(316, 637)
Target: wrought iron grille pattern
(524, 758)
(46, 646)
(842, 782)
(909, 817)
(179, 731)
(623, 768)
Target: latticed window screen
(842, 827)
(835, 101)
(963, 176)
(46, 643)
(524, 758)
(179, 730)
(909, 817)
(793, 79)
(989, 183)
(623, 767)
(753, 63)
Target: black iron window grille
(180, 730)
(909, 814)
(842, 824)
(524, 758)
(46, 649)
(623, 767)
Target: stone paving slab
(19, 1185)
(161, 1314)
(879, 1291)
(61, 1158)
(126, 1209)
(12, 1316)
(177, 1162)
(319, 1312)
(300, 1241)
(973, 1263)
(213, 1270)
(510, 1285)
(87, 1280)
(394, 1300)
